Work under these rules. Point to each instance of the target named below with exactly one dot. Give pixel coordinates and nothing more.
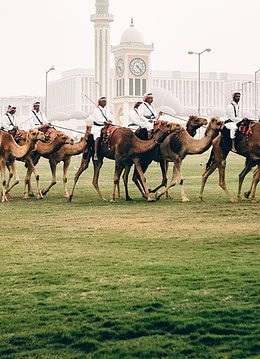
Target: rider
(9, 120)
(147, 112)
(233, 115)
(134, 117)
(36, 117)
(101, 117)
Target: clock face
(120, 66)
(137, 66)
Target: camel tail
(210, 160)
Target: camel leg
(53, 167)
(27, 182)
(248, 193)
(222, 182)
(83, 166)
(205, 176)
(176, 175)
(142, 179)
(12, 173)
(97, 167)
(137, 182)
(66, 164)
(164, 168)
(255, 181)
(4, 197)
(118, 171)
(242, 175)
(125, 179)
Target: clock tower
(132, 72)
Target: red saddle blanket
(246, 127)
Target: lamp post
(46, 85)
(242, 93)
(199, 53)
(256, 94)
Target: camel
(247, 145)
(53, 141)
(125, 148)
(193, 124)
(64, 154)
(9, 149)
(177, 145)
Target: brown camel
(53, 141)
(64, 154)
(177, 146)
(125, 148)
(193, 124)
(247, 145)
(10, 150)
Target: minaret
(102, 21)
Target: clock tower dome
(132, 71)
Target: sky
(38, 34)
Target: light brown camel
(193, 124)
(53, 141)
(9, 149)
(64, 154)
(125, 148)
(247, 145)
(177, 146)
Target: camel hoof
(247, 194)
(103, 199)
(69, 198)
(169, 196)
(8, 196)
(157, 196)
(31, 194)
(150, 200)
(185, 200)
(233, 200)
(253, 200)
(129, 199)
(25, 196)
(112, 200)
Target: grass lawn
(92, 279)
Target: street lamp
(199, 53)
(256, 94)
(242, 93)
(46, 85)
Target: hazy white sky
(36, 34)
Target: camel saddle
(246, 126)
(16, 132)
(107, 132)
(46, 129)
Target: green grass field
(167, 279)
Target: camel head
(35, 135)
(215, 124)
(65, 138)
(168, 127)
(196, 121)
